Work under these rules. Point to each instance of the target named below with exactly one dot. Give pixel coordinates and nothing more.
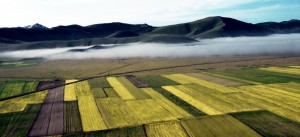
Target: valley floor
(80, 69)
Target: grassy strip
(98, 93)
(293, 71)
(110, 92)
(98, 83)
(157, 81)
(18, 124)
(119, 132)
(16, 64)
(269, 124)
(187, 107)
(30, 86)
(72, 121)
(260, 76)
(12, 87)
(2, 85)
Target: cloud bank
(274, 44)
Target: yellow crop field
(212, 102)
(283, 70)
(119, 113)
(185, 79)
(82, 88)
(19, 103)
(91, 118)
(290, 87)
(298, 67)
(273, 95)
(120, 88)
(217, 100)
(290, 114)
(215, 126)
(167, 104)
(192, 100)
(284, 92)
(69, 94)
(166, 129)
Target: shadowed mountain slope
(120, 33)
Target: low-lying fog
(274, 44)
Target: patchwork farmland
(212, 103)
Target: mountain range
(38, 36)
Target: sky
(51, 13)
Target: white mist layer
(274, 44)
(36, 53)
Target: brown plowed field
(136, 82)
(40, 126)
(56, 126)
(50, 118)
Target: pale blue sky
(154, 12)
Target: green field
(18, 124)
(110, 92)
(12, 87)
(269, 124)
(261, 76)
(30, 86)
(157, 81)
(16, 64)
(98, 83)
(72, 121)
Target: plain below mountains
(38, 36)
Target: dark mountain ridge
(291, 26)
(120, 33)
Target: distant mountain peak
(36, 26)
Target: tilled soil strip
(56, 126)
(50, 118)
(40, 127)
(136, 82)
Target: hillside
(213, 27)
(291, 26)
(120, 33)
